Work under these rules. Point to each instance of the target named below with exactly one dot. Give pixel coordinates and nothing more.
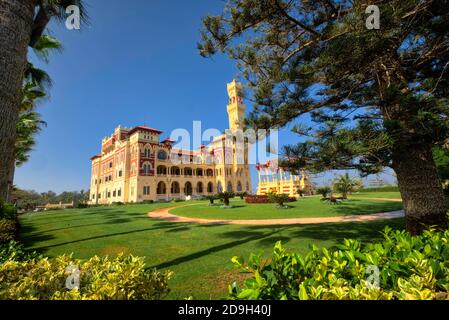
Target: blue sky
(136, 63)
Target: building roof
(95, 157)
(144, 128)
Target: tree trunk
(16, 20)
(422, 194)
(12, 172)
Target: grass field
(308, 207)
(199, 255)
(386, 195)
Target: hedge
(264, 199)
(122, 278)
(407, 268)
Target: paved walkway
(164, 214)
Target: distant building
(376, 183)
(273, 179)
(135, 165)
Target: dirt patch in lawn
(114, 250)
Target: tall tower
(236, 108)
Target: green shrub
(122, 278)
(8, 230)
(15, 251)
(7, 211)
(280, 199)
(409, 268)
(241, 195)
(82, 205)
(324, 191)
(118, 203)
(225, 196)
(211, 199)
(148, 202)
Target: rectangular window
(114, 194)
(120, 173)
(109, 194)
(146, 191)
(119, 192)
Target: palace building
(135, 165)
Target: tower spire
(236, 108)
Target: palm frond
(45, 45)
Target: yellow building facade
(273, 179)
(135, 165)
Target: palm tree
(29, 124)
(345, 185)
(20, 27)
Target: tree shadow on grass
(208, 251)
(180, 229)
(359, 207)
(363, 231)
(29, 235)
(109, 235)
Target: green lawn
(387, 195)
(199, 255)
(303, 208)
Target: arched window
(239, 186)
(210, 187)
(146, 168)
(188, 172)
(188, 189)
(199, 172)
(162, 155)
(162, 170)
(199, 187)
(175, 188)
(229, 188)
(175, 171)
(219, 187)
(161, 189)
(147, 152)
(210, 173)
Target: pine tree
(377, 97)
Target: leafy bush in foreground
(8, 230)
(15, 251)
(122, 278)
(409, 268)
(8, 222)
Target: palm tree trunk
(10, 182)
(424, 201)
(16, 21)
